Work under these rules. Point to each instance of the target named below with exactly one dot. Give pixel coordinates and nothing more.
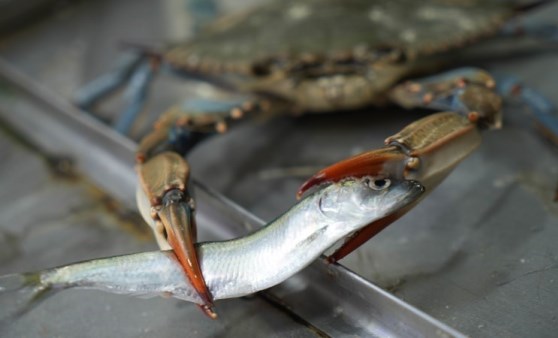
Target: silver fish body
(240, 266)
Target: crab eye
(377, 183)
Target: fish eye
(377, 183)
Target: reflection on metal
(329, 298)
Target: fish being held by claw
(237, 267)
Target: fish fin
(20, 293)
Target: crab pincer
(378, 162)
(382, 162)
(426, 151)
(167, 205)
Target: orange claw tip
(208, 310)
(184, 250)
(180, 225)
(363, 235)
(313, 181)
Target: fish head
(356, 202)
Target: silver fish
(237, 267)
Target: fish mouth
(402, 194)
(415, 190)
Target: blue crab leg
(539, 30)
(136, 94)
(181, 128)
(104, 85)
(202, 12)
(543, 109)
(476, 94)
(468, 91)
(517, 27)
(163, 196)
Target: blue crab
(320, 56)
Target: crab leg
(87, 96)
(426, 150)
(136, 94)
(202, 12)
(181, 128)
(539, 30)
(476, 94)
(468, 91)
(163, 196)
(542, 108)
(519, 27)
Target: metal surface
(479, 253)
(331, 298)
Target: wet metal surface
(478, 254)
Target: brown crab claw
(177, 217)
(362, 236)
(384, 161)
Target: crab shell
(324, 55)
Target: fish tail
(19, 293)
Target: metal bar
(333, 299)
(46, 120)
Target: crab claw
(362, 236)
(166, 204)
(177, 217)
(426, 151)
(389, 161)
(384, 161)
